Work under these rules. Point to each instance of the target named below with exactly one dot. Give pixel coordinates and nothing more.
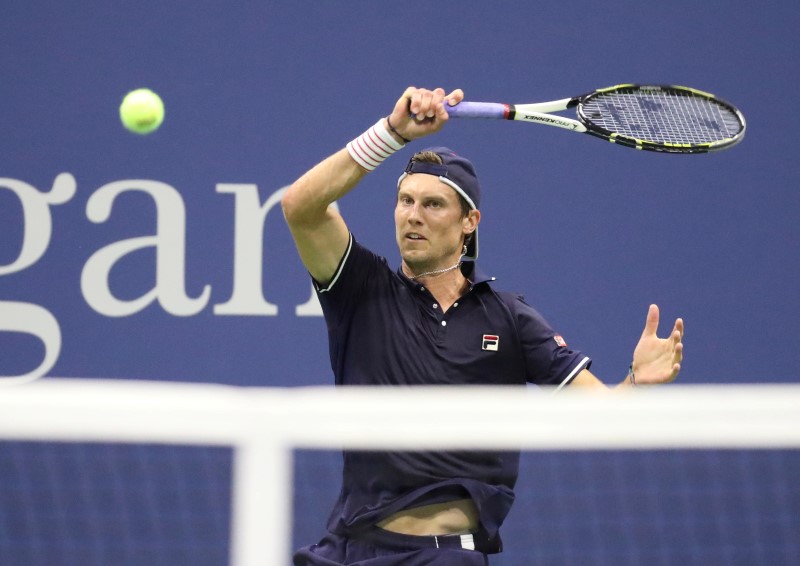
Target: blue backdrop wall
(166, 257)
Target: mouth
(414, 237)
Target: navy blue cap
(458, 173)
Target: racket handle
(494, 110)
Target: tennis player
(437, 320)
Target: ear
(470, 221)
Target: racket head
(666, 118)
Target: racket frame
(540, 113)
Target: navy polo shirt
(385, 329)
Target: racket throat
(520, 113)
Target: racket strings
(662, 116)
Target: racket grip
(493, 110)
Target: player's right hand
(420, 112)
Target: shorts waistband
(478, 541)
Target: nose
(413, 214)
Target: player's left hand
(658, 360)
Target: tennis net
(125, 472)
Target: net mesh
(623, 507)
(686, 476)
(663, 115)
(105, 503)
(664, 507)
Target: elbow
(300, 211)
(290, 206)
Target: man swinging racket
(436, 320)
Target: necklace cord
(436, 272)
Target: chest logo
(490, 342)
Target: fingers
(403, 106)
(426, 104)
(677, 348)
(678, 327)
(651, 324)
(454, 97)
(677, 339)
(420, 112)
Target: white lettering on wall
(248, 296)
(248, 259)
(170, 246)
(168, 243)
(27, 318)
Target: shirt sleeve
(549, 361)
(348, 285)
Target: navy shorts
(383, 548)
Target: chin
(412, 259)
(412, 253)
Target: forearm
(319, 231)
(307, 200)
(586, 379)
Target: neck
(446, 284)
(435, 272)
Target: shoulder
(357, 265)
(513, 300)
(527, 319)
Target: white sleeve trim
(575, 371)
(339, 269)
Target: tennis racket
(672, 119)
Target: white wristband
(373, 146)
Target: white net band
(264, 426)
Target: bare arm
(319, 232)
(655, 360)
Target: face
(428, 222)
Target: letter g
(38, 226)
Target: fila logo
(560, 341)
(490, 342)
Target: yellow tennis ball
(141, 111)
